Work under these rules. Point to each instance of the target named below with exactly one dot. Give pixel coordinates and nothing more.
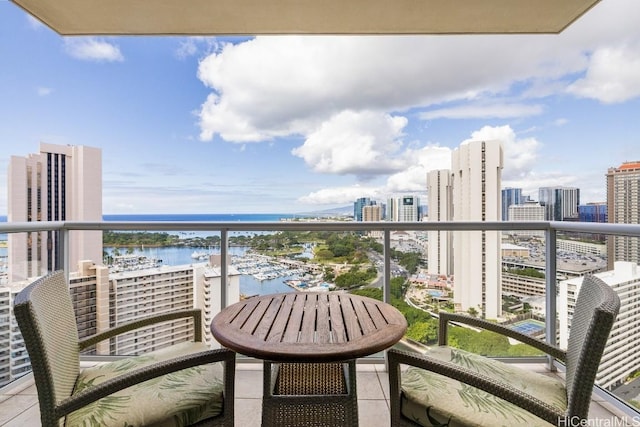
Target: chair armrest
(467, 376)
(445, 318)
(137, 376)
(196, 314)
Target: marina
(260, 274)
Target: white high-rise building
(14, 359)
(527, 212)
(620, 357)
(207, 296)
(60, 183)
(136, 294)
(440, 202)
(477, 170)
(561, 203)
(391, 212)
(101, 300)
(408, 209)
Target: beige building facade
(477, 171)
(60, 183)
(440, 202)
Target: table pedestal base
(309, 394)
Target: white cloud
(352, 99)
(414, 177)
(520, 156)
(340, 195)
(43, 91)
(361, 143)
(93, 49)
(187, 48)
(484, 111)
(196, 45)
(34, 23)
(612, 75)
(274, 86)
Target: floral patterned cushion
(430, 399)
(177, 399)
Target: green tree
(328, 274)
(324, 254)
(423, 332)
(375, 293)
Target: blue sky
(297, 124)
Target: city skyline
(300, 124)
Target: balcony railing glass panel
(210, 265)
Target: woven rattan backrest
(44, 312)
(596, 309)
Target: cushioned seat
(180, 398)
(432, 399)
(184, 384)
(447, 386)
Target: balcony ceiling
(253, 17)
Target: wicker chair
(447, 386)
(178, 385)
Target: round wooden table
(309, 327)
(312, 339)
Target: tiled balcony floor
(19, 403)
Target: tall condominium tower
(358, 205)
(477, 170)
(561, 203)
(623, 207)
(60, 183)
(440, 202)
(510, 196)
(391, 212)
(372, 213)
(408, 209)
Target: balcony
(19, 399)
(19, 403)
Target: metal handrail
(581, 227)
(550, 229)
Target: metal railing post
(224, 267)
(386, 284)
(551, 314)
(386, 281)
(64, 251)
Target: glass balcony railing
(525, 274)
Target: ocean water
(246, 217)
(250, 217)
